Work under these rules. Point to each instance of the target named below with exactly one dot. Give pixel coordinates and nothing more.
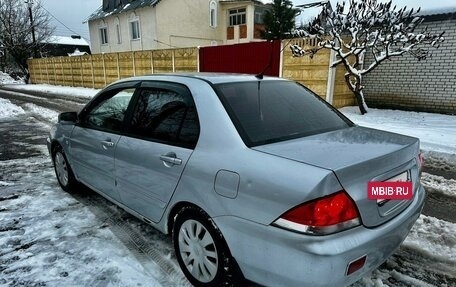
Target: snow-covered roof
(77, 53)
(63, 40)
(99, 13)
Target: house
(62, 46)
(131, 25)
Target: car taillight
(421, 160)
(322, 216)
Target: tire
(63, 171)
(202, 252)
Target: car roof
(213, 78)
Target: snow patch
(434, 238)
(52, 239)
(436, 132)
(9, 110)
(375, 279)
(413, 281)
(438, 184)
(440, 161)
(4, 183)
(64, 40)
(60, 90)
(6, 79)
(47, 114)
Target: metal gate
(248, 58)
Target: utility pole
(30, 5)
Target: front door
(160, 138)
(94, 140)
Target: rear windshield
(272, 111)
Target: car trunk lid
(358, 155)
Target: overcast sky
(73, 13)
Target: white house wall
(147, 20)
(186, 23)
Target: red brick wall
(257, 30)
(230, 33)
(243, 31)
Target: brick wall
(258, 29)
(405, 83)
(242, 31)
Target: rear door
(94, 138)
(162, 132)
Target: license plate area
(404, 176)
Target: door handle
(107, 144)
(170, 159)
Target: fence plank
(162, 61)
(125, 65)
(142, 63)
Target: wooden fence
(315, 73)
(98, 70)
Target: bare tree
(16, 30)
(367, 26)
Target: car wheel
(63, 171)
(202, 252)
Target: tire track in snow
(142, 248)
(440, 164)
(428, 271)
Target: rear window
(272, 111)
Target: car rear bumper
(275, 257)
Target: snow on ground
(435, 183)
(6, 79)
(40, 112)
(434, 238)
(60, 90)
(430, 238)
(8, 109)
(436, 132)
(50, 238)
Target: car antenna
(261, 74)
(260, 112)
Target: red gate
(248, 58)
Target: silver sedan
(255, 178)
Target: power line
(63, 24)
(59, 29)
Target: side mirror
(71, 117)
